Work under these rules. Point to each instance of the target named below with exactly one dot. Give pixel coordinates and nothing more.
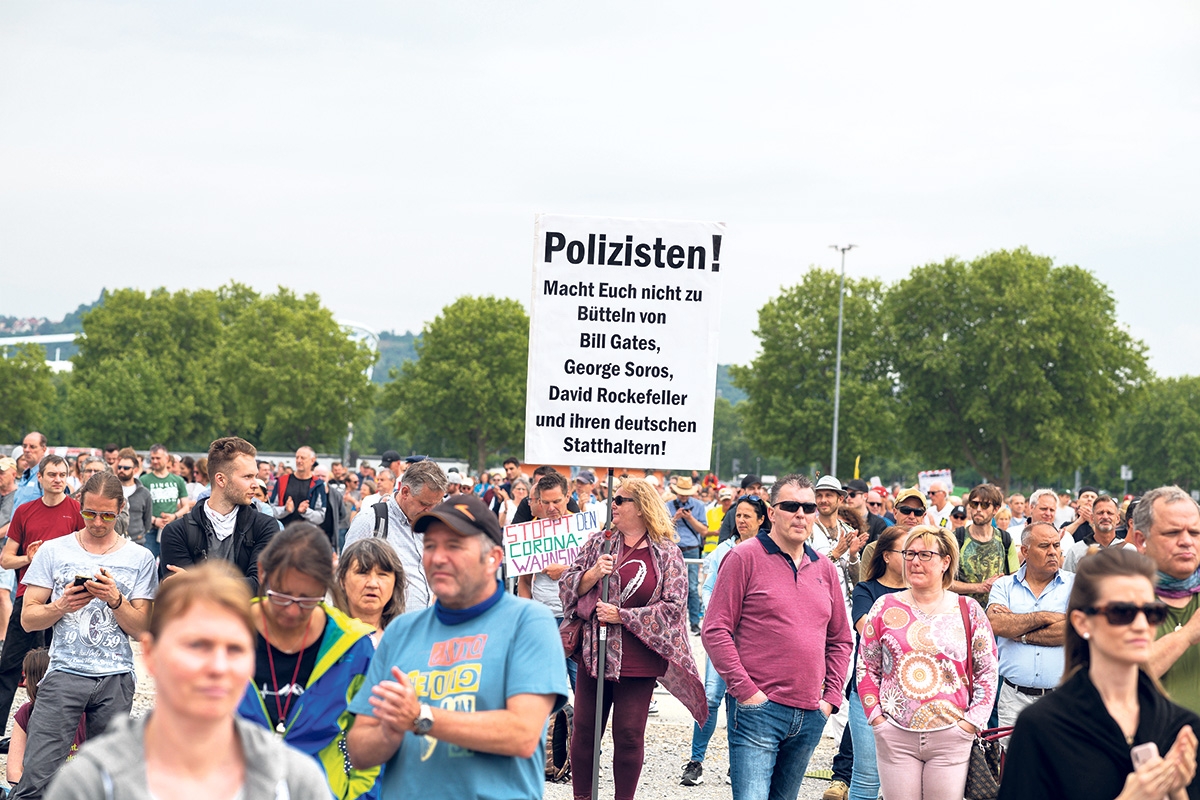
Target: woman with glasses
(199, 648)
(310, 657)
(750, 519)
(648, 642)
(923, 702)
(1079, 742)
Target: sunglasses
(1126, 613)
(924, 555)
(619, 500)
(284, 600)
(107, 516)
(978, 504)
(958, 516)
(915, 512)
(792, 506)
(876, 504)
(853, 495)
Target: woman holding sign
(648, 586)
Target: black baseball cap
(388, 458)
(751, 480)
(466, 515)
(857, 485)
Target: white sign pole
(623, 342)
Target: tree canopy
(468, 382)
(790, 384)
(1159, 435)
(1009, 363)
(26, 391)
(189, 367)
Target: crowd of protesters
(321, 631)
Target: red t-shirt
(37, 522)
(639, 578)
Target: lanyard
(282, 708)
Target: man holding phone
(51, 516)
(95, 589)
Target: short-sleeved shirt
(165, 492)
(89, 641)
(512, 648)
(1182, 680)
(38, 522)
(864, 596)
(979, 561)
(26, 710)
(687, 535)
(1031, 665)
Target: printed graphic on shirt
(451, 682)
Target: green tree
(789, 410)
(1009, 363)
(145, 370)
(26, 391)
(188, 367)
(1159, 435)
(290, 374)
(468, 382)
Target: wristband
(120, 599)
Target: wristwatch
(424, 721)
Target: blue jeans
(714, 692)
(151, 541)
(693, 585)
(769, 749)
(864, 782)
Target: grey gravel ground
(668, 744)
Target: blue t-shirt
(512, 648)
(687, 535)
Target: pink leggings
(922, 765)
(629, 701)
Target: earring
(1087, 636)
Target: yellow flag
(856, 460)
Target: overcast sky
(391, 156)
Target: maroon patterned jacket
(661, 624)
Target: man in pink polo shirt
(778, 602)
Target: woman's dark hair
(759, 506)
(851, 518)
(877, 566)
(305, 548)
(364, 556)
(35, 665)
(1116, 562)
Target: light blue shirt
(1031, 665)
(28, 487)
(687, 535)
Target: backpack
(381, 519)
(558, 745)
(1005, 541)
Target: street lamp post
(837, 375)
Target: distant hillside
(394, 350)
(40, 326)
(725, 387)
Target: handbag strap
(966, 618)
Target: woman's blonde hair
(941, 540)
(213, 582)
(651, 507)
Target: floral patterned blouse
(912, 667)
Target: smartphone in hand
(1143, 753)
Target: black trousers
(17, 642)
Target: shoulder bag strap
(966, 618)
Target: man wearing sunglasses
(137, 496)
(777, 601)
(52, 516)
(985, 553)
(1166, 527)
(860, 498)
(1028, 614)
(910, 512)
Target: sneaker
(693, 774)
(837, 791)
(653, 708)
(729, 775)
(695, 630)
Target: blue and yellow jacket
(318, 726)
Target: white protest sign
(924, 479)
(530, 546)
(623, 342)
